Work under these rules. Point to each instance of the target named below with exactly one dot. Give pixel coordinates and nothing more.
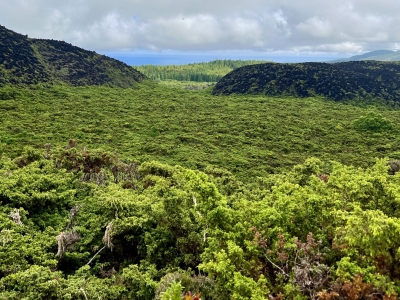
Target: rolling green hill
(339, 81)
(31, 61)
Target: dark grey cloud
(262, 25)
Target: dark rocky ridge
(339, 81)
(30, 61)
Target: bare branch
(276, 266)
(95, 255)
(83, 292)
(107, 240)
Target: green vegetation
(373, 122)
(187, 85)
(234, 208)
(82, 224)
(247, 135)
(165, 191)
(201, 72)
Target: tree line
(200, 72)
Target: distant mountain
(338, 81)
(379, 55)
(30, 61)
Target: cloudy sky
(272, 26)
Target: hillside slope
(395, 56)
(30, 61)
(381, 55)
(348, 80)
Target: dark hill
(339, 81)
(30, 61)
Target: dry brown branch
(107, 235)
(66, 240)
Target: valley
(247, 135)
(279, 181)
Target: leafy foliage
(185, 234)
(373, 122)
(173, 292)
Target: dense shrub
(373, 122)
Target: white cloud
(185, 30)
(280, 23)
(348, 47)
(276, 25)
(316, 27)
(245, 32)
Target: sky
(248, 28)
